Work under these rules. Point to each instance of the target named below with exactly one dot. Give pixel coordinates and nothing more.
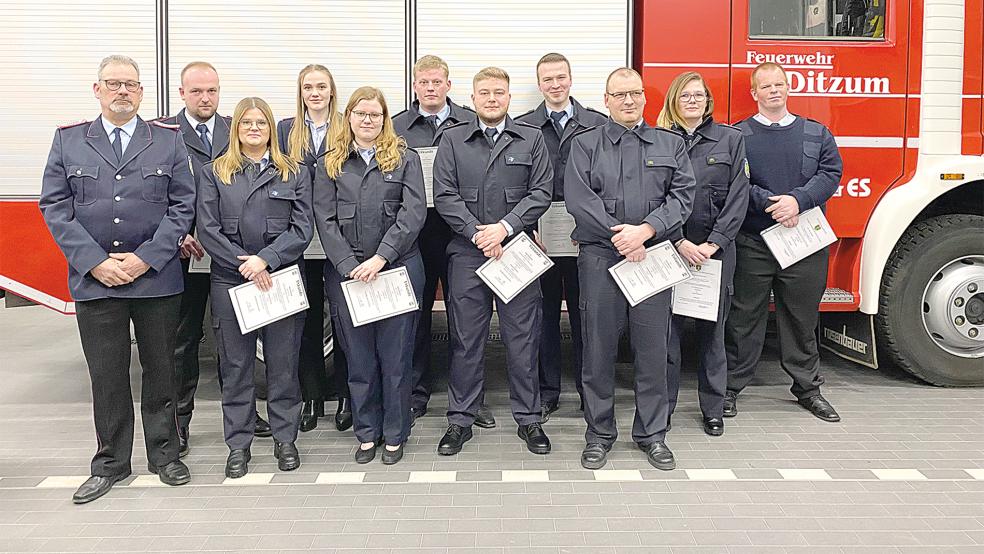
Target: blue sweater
(800, 160)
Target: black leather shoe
(174, 473)
(343, 414)
(659, 455)
(484, 417)
(262, 427)
(96, 486)
(536, 440)
(819, 407)
(310, 413)
(730, 404)
(548, 408)
(594, 456)
(452, 441)
(415, 413)
(237, 464)
(366, 455)
(714, 426)
(183, 447)
(288, 458)
(390, 457)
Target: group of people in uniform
(131, 202)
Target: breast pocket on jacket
(156, 179)
(83, 180)
(517, 168)
(282, 196)
(658, 173)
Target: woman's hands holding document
(369, 269)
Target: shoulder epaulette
(454, 125)
(665, 130)
(590, 109)
(728, 125)
(466, 108)
(399, 114)
(161, 124)
(525, 124)
(75, 124)
(525, 114)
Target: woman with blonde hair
(370, 204)
(717, 152)
(317, 108)
(254, 217)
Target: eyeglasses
(620, 96)
(132, 86)
(374, 117)
(696, 97)
(248, 123)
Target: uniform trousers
(712, 363)
(559, 282)
(237, 356)
(104, 327)
(380, 358)
(605, 316)
(316, 384)
(469, 316)
(434, 238)
(798, 290)
(188, 341)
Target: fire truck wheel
(931, 309)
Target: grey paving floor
(904, 472)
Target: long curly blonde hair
(389, 146)
(226, 165)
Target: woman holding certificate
(254, 217)
(370, 204)
(717, 153)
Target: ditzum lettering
(803, 80)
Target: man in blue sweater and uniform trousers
(795, 166)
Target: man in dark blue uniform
(118, 197)
(492, 180)
(422, 126)
(629, 186)
(794, 166)
(559, 117)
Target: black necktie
(432, 119)
(203, 133)
(490, 133)
(775, 125)
(556, 117)
(118, 144)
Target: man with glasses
(629, 186)
(492, 181)
(559, 117)
(206, 135)
(118, 197)
(422, 126)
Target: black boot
(343, 415)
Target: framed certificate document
(791, 244)
(556, 226)
(427, 156)
(522, 262)
(391, 294)
(699, 296)
(255, 308)
(661, 269)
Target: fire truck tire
(930, 318)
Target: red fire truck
(899, 83)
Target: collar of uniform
(441, 115)
(194, 122)
(614, 131)
(569, 109)
(506, 126)
(786, 120)
(310, 122)
(706, 129)
(129, 127)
